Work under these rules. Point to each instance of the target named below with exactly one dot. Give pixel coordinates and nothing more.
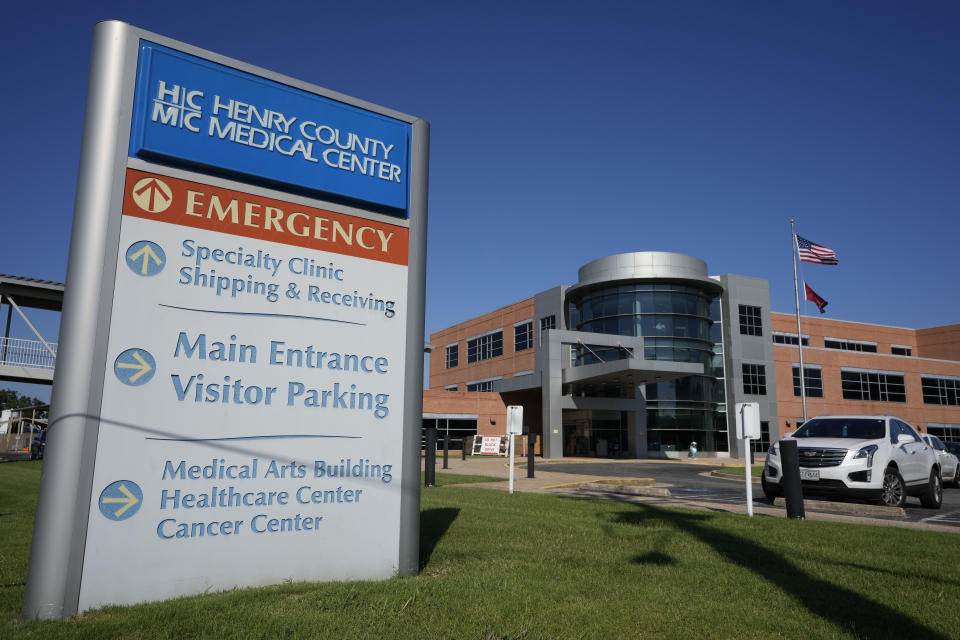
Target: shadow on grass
(850, 611)
(654, 557)
(433, 524)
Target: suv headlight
(772, 451)
(867, 452)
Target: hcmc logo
(176, 107)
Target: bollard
(792, 489)
(430, 458)
(531, 443)
(446, 450)
(463, 449)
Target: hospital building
(646, 352)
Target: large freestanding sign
(237, 394)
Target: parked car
(949, 465)
(38, 445)
(875, 457)
(953, 447)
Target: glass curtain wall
(679, 323)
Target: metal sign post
(514, 428)
(748, 427)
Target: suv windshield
(857, 428)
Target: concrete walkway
(587, 486)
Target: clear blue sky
(567, 131)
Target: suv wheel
(771, 493)
(932, 498)
(894, 492)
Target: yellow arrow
(146, 252)
(128, 502)
(143, 366)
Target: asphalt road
(694, 481)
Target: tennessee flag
(814, 298)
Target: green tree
(11, 399)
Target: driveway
(693, 481)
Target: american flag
(813, 252)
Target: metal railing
(18, 427)
(27, 353)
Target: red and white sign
(490, 446)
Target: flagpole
(796, 291)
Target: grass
(443, 479)
(755, 471)
(496, 565)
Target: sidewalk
(546, 481)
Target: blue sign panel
(194, 111)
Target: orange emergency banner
(201, 206)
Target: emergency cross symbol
(177, 107)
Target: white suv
(875, 457)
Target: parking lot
(695, 482)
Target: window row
(850, 345)
(879, 386)
(490, 345)
(482, 385)
(780, 337)
(789, 338)
(940, 390)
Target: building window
(750, 322)
(489, 345)
(940, 390)
(547, 322)
(761, 444)
(901, 350)
(450, 387)
(754, 379)
(876, 386)
(789, 338)
(523, 335)
(850, 345)
(482, 385)
(452, 356)
(812, 381)
(945, 431)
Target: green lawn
(496, 565)
(756, 471)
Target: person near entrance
(692, 452)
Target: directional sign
(120, 500)
(146, 258)
(134, 367)
(152, 195)
(262, 240)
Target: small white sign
(748, 420)
(515, 420)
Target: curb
(659, 492)
(727, 476)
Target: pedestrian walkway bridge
(27, 359)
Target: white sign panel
(748, 420)
(515, 420)
(253, 402)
